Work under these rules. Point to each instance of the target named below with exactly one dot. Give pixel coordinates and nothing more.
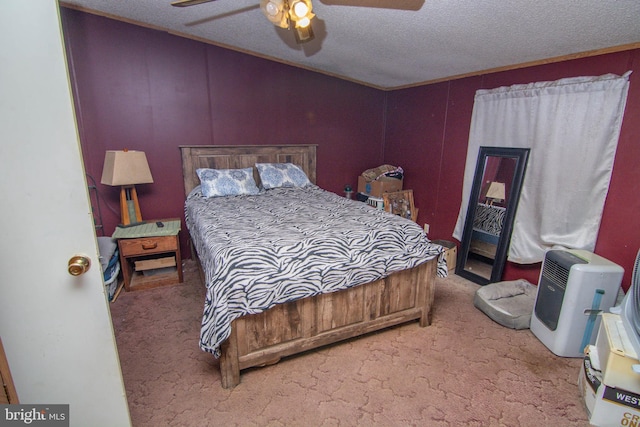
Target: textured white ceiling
(389, 47)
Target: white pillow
(227, 182)
(275, 175)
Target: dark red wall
(147, 90)
(428, 130)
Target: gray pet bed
(508, 303)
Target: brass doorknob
(79, 264)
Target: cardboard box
(450, 254)
(609, 386)
(589, 384)
(606, 406)
(379, 186)
(615, 355)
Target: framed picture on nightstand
(400, 203)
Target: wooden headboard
(243, 156)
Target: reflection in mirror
(490, 213)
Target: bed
(252, 318)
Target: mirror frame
(521, 155)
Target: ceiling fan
(386, 4)
(295, 15)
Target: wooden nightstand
(150, 255)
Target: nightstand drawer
(146, 245)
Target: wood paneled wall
(147, 90)
(428, 130)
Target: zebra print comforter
(291, 243)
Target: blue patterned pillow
(275, 175)
(227, 182)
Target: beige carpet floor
(463, 370)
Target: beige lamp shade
(496, 191)
(126, 168)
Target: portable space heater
(574, 286)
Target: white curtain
(572, 128)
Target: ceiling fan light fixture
(271, 9)
(303, 23)
(303, 34)
(300, 11)
(275, 11)
(294, 15)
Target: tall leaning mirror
(497, 184)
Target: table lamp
(127, 168)
(495, 192)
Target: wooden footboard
(291, 328)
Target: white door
(56, 328)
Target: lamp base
(129, 207)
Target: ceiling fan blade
(381, 4)
(185, 3)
